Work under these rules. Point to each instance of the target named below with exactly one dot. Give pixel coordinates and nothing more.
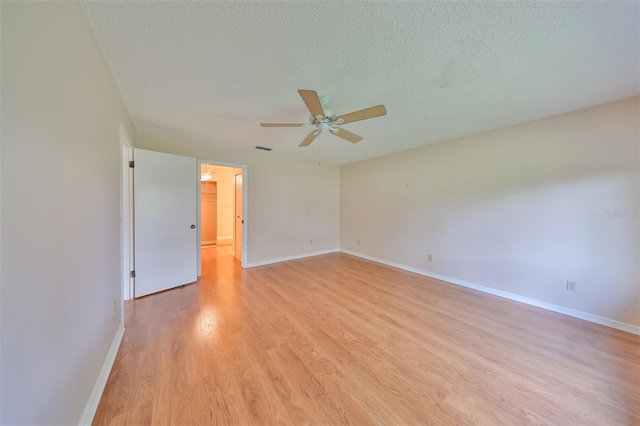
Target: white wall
(60, 240)
(291, 202)
(520, 209)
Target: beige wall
(60, 266)
(290, 202)
(521, 209)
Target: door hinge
(132, 274)
(132, 164)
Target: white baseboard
(94, 399)
(284, 259)
(225, 240)
(608, 322)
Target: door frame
(126, 218)
(245, 208)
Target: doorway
(224, 180)
(221, 201)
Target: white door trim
(126, 217)
(245, 208)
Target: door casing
(126, 217)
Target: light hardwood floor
(335, 339)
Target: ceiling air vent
(264, 148)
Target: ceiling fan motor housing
(324, 124)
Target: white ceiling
(211, 71)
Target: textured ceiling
(211, 71)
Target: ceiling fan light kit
(323, 120)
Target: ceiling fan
(323, 119)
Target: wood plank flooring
(335, 339)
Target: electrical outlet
(310, 242)
(429, 257)
(114, 306)
(572, 286)
(358, 242)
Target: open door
(239, 221)
(165, 188)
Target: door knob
(193, 227)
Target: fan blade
(345, 134)
(307, 141)
(312, 101)
(281, 125)
(363, 114)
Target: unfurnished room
(319, 212)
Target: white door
(165, 217)
(238, 221)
